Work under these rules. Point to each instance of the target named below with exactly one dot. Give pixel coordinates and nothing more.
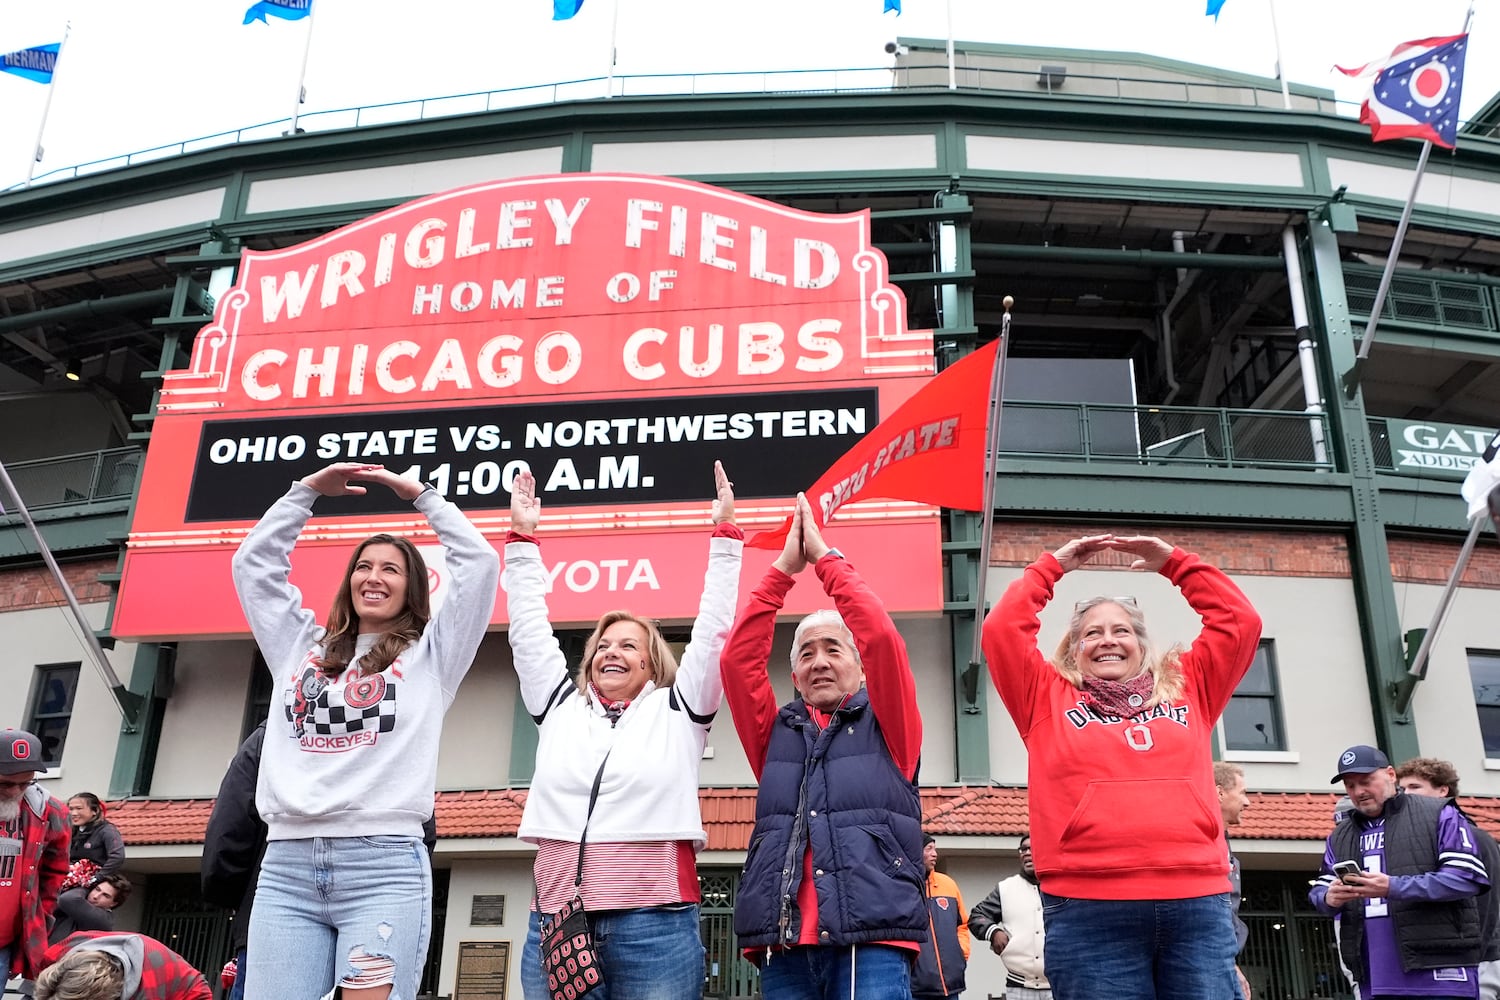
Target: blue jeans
(880, 972)
(328, 911)
(654, 953)
(1140, 949)
(237, 991)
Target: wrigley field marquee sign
(613, 334)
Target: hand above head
(406, 489)
(792, 561)
(1080, 550)
(723, 509)
(334, 480)
(1150, 552)
(525, 508)
(813, 546)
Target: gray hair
(825, 616)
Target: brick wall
(34, 587)
(1420, 560)
(1258, 552)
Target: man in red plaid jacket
(34, 837)
(106, 965)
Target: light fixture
(75, 370)
(1051, 77)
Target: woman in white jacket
(634, 724)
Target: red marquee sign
(615, 334)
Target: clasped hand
(341, 479)
(804, 540)
(1150, 552)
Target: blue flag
(1214, 6)
(892, 5)
(36, 63)
(287, 10)
(564, 9)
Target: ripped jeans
(329, 911)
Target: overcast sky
(129, 81)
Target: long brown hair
(342, 628)
(1165, 669)
(658, 652)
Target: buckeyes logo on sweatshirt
(332, 716)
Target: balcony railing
(76, 479)
(1166, 435)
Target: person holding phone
(1402, 874)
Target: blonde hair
(1165, 669)
(1225, 774)
(82, 975)
(658, 652)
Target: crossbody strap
(584, 836)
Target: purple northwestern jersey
(1460, 873)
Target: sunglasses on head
(1126, 600)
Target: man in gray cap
(34, 837)
(1401, 874)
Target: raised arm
(539, 661)
(262, 569)
(455, 632)
(889, 683)
(745, 665)
(1017, 666)
(699, 682)
(1226, 646)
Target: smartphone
(1346, 868)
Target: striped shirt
(616, 876)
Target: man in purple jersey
(1410, 923)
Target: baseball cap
(20, 751)
(1360, 759)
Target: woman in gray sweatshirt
(349, 763)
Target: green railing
(1433, 299)
(75, 479)
(1166, 435)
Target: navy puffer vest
(839, 789)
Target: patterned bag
(567, 942)
(568, 954)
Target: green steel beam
(1150, 258)
(72, 530)
(135, 753)
(1369, 555)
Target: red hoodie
(1124, 808)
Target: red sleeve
(745, 667)
(1009, 640)
(54, 855)
(1224, 650)
(891, 688)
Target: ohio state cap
(1360, 760)
(20, 751)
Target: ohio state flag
(1415, 92)
(931, 450)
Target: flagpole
(37, 152)
(1407, 686)
(614, 33)
(312, 12)
(987, 514)
(952, 71)
(128, 702)
(1286, 95)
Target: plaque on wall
(483, 970)
(487, 911)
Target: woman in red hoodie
(1124, 818)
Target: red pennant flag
(931, 450)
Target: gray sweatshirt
(357, 756)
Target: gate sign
(614, 334)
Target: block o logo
(20, 750)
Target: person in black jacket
(233, 845)
(232, 849)
(89, 909)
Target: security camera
(894, 49)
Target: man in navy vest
(830, 905)
(1402, 874)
